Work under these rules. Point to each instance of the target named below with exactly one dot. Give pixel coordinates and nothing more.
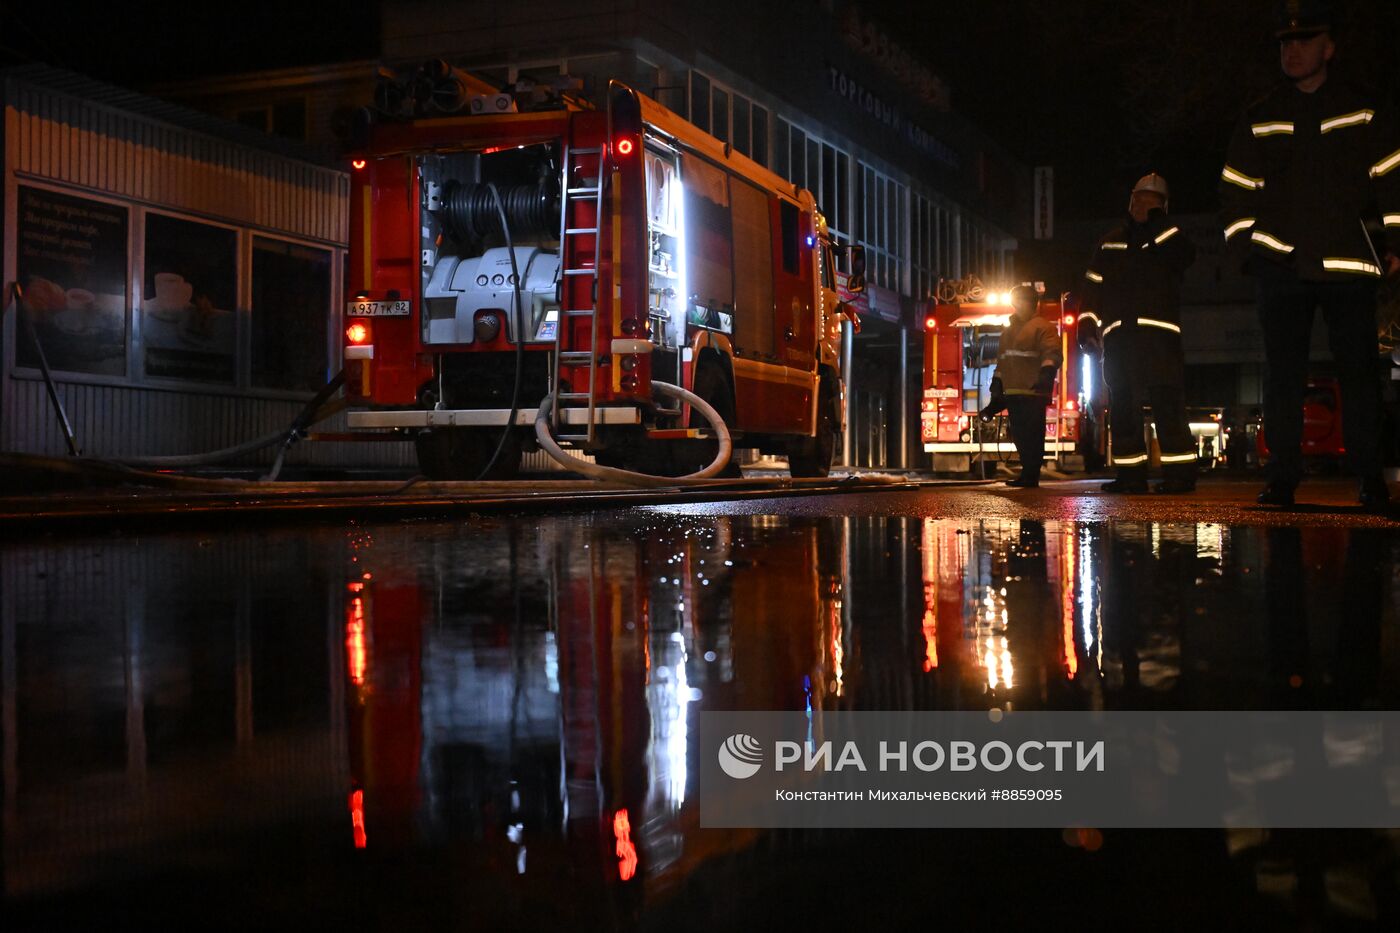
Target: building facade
(817, 91)
(179, 275)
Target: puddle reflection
(495, 722)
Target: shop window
(782, 163)
(760, 135)
(831, 203)
(71, 263)
(719, 115)
(741, 125)
(700, 101)
(188, 298)
(797, 148)
(843, 174)
(291, 307)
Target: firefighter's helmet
(1024, 293)
(1154, 183)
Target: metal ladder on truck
(573, 233)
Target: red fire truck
(961, 336)
(507, 258)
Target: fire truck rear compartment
(486, 380)
(468, 277)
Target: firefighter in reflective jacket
(1028, 356)
(1309, 168)
(1132, 314)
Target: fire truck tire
(712, 385)
(462, 453)
(812, 456)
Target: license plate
(378, 308)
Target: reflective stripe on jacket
(1026, 346)
(1134, 278)
(1302, 175)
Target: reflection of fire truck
(584, 260)
(545, 720)
(960, 354)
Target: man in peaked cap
(1310, 168)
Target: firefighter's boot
(1177, 479)
(1130, 479)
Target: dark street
(646, 465)
(435, 724)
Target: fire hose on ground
(614, 474)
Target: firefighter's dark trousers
(1027, 415)
(1147, 371)
(1286, 306)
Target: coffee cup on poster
(173, 296)
(80, 299)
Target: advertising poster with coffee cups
(72, 267)
(190, 289)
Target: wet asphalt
(488, 722)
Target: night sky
(1103, 91)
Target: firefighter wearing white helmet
(1131, 311)
(1153, 183)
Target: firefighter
(1132, 314)
(1028, 356)
(1308, 167)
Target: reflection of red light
(356, 654)
(368, 576)
(930, 628)
(357, 817)
(626, 852)
(1067, 590)
(355, 587)
(624, 147)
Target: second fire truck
(961, 337)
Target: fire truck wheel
(713, 386)
(462, 453)
(812, 456)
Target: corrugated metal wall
(117, 421)
(62, 138)
(85, 146)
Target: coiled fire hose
(632, 478)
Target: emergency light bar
(983, 320)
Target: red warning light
(930, 323)
(357, 817)
(626, 850)
(624, 147)
(357, 164)
(357, 333)
(1069, 319)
